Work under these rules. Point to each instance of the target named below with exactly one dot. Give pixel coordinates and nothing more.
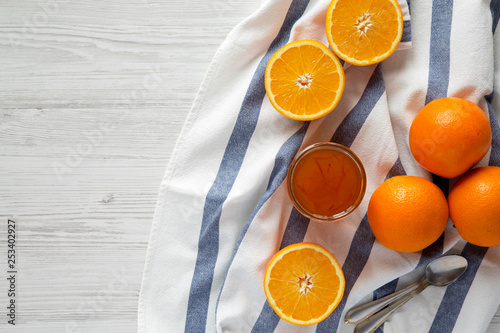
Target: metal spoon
(439, 272)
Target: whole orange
(407, 213)
(449, 136)
(474, 203)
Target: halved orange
(304, 283)
(364, 32)
(304, 80)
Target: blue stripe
(296, 229)
(352, 123)
(454, 297)
(294, 233)
(432, 251)
(396, 170)
(495, 132)
(357, 257)
(282, 161)
(345, 134)
(428, 254)
(442, 183)
(208, 244)
(495, 14)
(439, 75)
(406, 32)
(455, 294)
(267, 321)
(439, 63)
(386, 289)
(439, 58)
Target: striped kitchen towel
(223, 209)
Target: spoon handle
(389, 310)
(385, 300)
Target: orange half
(304, 283)
(364, 32)
(304, 80)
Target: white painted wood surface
(92, 98)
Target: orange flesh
(326, 182)
(304, 291)
(364, 32)
(294, 75)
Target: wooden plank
(92, 98)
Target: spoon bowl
(440, 272)
(446, 269)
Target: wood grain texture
(93, 96)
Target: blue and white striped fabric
(223, 210)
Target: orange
(364, 32)
(449, 136)
(475, 206)
(304, 80)
(407, 213)
(304, 283)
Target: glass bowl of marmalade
(326, 182)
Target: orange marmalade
(326, 181)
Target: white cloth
(223, 210)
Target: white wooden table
(92, 98)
